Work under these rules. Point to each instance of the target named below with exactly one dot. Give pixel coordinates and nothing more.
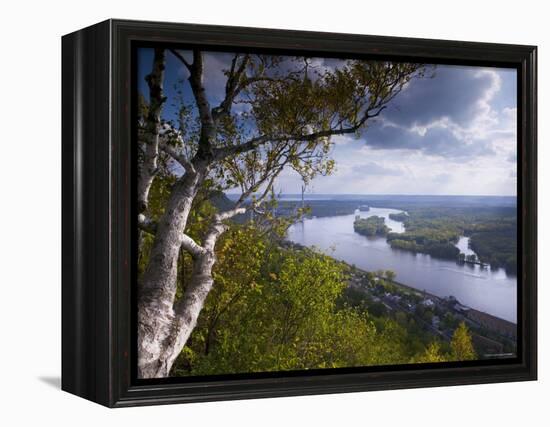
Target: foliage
(390, 275)
(497, 247)
(461, 349)
(371, 226)
(401, 216)
(432, 354)
(267, 311)
(437, 249)
(434, 230)
(461, 344)
(280, 112)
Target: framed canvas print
(256, 213)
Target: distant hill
(322, 205)
(223, 203)
(394, 199)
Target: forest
(434, 230)
(267, 312)
(496, 244)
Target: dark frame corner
(97, 221)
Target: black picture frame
(98, 354)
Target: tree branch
(147, 224)
(149, 164)
(238, 81)
(208, 128)
(232, 87)
(181, 58)
(191, 246)
(254, 143)
(222, 216)
(267, 188)
(181, 159)
(217, 227)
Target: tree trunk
(150, 144)
(187, 311)
(165, 327)
(157, 287)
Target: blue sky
(453, 133)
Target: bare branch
(150, 135)
(238, 81)
(232, 87)
(181, 58)
(223, 152)
(181, 159)
(267, 188)
(197, 85)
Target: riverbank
(493, 337)
(433, 223)
(485, 289)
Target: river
(485, 289)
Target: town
(492, 337)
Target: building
(428, 303)
(461, 308)
(501, 326)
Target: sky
(452, 133)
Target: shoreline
(478, 313)
(458, 263)
(488, 331)
(494, 323)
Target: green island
(434, 229)
(432, 235)
(371, 226)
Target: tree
(371, 226)
(266, 312)
(288, 114)
(390, 275)
(432, 354)
(461, 344)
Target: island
(401, 216)
(371, 226)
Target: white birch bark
(157, 287)
(150, 142)
(188, 308)
(163, 325)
